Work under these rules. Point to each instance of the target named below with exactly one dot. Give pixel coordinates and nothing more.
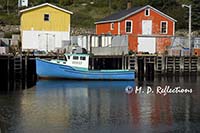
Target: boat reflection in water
(73, 84)
(76, 105)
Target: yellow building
(45, 27)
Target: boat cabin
(78, 61)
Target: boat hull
(48, 69)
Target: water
(101, 106)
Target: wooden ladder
(17, 73)
(17, 67)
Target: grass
(83, 16)
(9, 19)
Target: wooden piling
(186, 64)
(177, 64)
(181, 64)
(8, 72)
(92, 63)
(118, 63)
(123, 63)
(155, 61)
(193, 64)
(145, 64)
(25, 70)
(136, 63)
(198, 65)
(129, 67)
(159, 64)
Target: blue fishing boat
(75, 66)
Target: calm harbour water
(101, 106)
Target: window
(147, 12)
(46, 17)
(128, 26)
(163, 27)
(75, 57)
(112, 26)
(82, 58)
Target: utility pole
(190, 21)
(110, 4)
(7, 6)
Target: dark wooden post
(129, 67)
(92, 63)
(123, 61)
(145, 64)
(90, 44)
(118, 63)
(198, 65)
(8, 72)
(26, 70)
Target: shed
(148, 29)
(44, 27)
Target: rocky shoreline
(74, 30)
(9, 28)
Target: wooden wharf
(23, 66)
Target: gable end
(134, 12)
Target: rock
(10, 28)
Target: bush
(8, 35)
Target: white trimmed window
(46, 17)
(111, 26)
(163, 27)
(129, 26)
(147, 12)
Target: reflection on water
(101, 106)
(8, 86)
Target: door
(51, 42)
(147, 44)
(42, 39)
(146, 27)
(46, 41)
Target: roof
(45, 4)
(128, 12)
(77, 54)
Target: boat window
(68, 57)
(75, 57)
(82, 58)
(58, 61)
(64, 62)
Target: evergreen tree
(65, 2)
(94, 11)
(195, 14)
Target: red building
(148, 29)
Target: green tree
(65, 2)
(195, 14)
